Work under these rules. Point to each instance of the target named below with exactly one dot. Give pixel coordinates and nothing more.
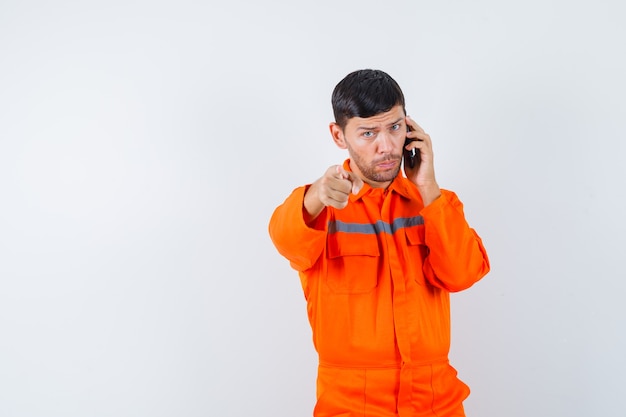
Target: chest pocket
(353, 262)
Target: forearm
(457, 258)
(293, 237)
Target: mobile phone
(411, 157)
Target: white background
(144, 145)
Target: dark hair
(365, 93)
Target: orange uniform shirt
(376, 276)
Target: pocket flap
(415, 235)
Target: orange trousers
(433, 390)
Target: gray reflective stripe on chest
(380, 226)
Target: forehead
(394, 115)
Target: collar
(400, 185)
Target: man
(378, 254)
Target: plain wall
(144, 146)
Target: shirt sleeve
(300, 243)
(457, 258)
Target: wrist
(429, 192)
(312, 206)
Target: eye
(396, 126)
(368, 134)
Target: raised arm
(457, 258)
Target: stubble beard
(369, 171)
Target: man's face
(375, 145)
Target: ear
(337, 133)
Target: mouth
(387, 164)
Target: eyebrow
(373, 128)
(396, 122)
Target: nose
(385, 143)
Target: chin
(385, 177)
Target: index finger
(357, 182)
